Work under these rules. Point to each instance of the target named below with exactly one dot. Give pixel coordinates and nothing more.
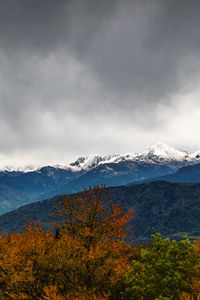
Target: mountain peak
(92, 161)
(23, 169)
(164, 151)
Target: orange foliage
(197, 246)
(196, 282)
(83, 261)
(186, 296)
(97, 230)
(20, 255)
(51, 293)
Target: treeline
(87, 256)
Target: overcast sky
(97, 76)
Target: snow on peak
(23, 169)
(195, 155)
(92, 161)
(157, 153)
(164, 151)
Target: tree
(22, 256)
(165, 271)
(196, 281)
(82, 261)
(94, 231)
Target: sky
(81, 77)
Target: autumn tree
(86, 257)
(94, 230)
(196, 281)
(22, 257)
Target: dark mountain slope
(170, 208)
(112, 174)
(187, 174)
(19, 190)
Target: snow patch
(158, 153)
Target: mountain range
(20, 186)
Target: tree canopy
(165, 271)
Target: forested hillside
(169, 208)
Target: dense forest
(89, 254)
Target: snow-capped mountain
(157, 153)
(24, 169)
(90, 162)
(19, 186)
(163, 152)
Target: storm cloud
(93, 76)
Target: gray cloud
(76, 73)
(136, 46)
(49, 24)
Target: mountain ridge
(20, 188)
(156, 152)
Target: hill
(187, 174)
(169, 208)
